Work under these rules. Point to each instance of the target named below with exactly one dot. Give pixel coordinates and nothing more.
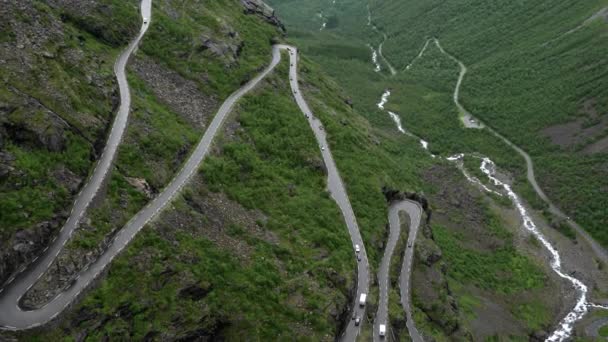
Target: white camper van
(362, 299)
(382, 330)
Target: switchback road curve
(414, 211)
(11, 316)
(15, 318)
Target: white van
(362, 299)
(382, 330)
(357, 249)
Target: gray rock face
(33, 125)
(181, 95)
(428, 252)
(260, 8)
(24, 246)
(49, 78)
(6, 160)
(230, 50)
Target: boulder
(141, 185)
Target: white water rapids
(377, 67)
(566, 325)
(397, 119)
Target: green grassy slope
(294, 284)
(423, 99)
(522, 80)
(57, 97)
(158, 139)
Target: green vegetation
(422, 97)
(468, 303)
(124, 25)
(367, 158)
(121, 203)
(503, 270)
(297, 282)
(142, 157)
(534, 313)
(28, 199)
(603, 331)
(523, 77)
(271, 165)
(395, 310)
(54, 115)
(158, 140)
(515, 83)
(565, 229)
(178, 42)
(397, 260)
(285, 286)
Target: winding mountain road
(12, 316)
(390, 66)
(471, 121)
(384, 39)
(15, 318)
(565, 327)
(414, 211)
(592, 329)
(338, 193)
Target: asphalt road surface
(12, 317)
(592, 330)
(15, 318)
(414, 211)
(338, 193)
(471, 122)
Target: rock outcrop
(182, 95)
(392, 195)
(260, 8)
(24, 246)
